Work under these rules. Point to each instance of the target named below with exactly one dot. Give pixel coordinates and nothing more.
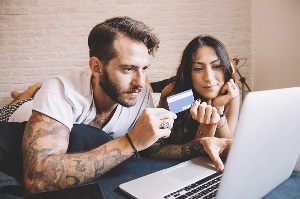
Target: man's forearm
(72, 169)
(48, 167)
(64, 170)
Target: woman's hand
(216, 148)
(27, 94)
(207, 116)
(228, 92)
(204, 113)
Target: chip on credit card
(181, 101)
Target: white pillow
(23, 113)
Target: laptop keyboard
(204, 188)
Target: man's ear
(96, 66)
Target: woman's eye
(198, 69)
(217, 67)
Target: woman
(19, 102)
(206, 69)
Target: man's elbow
(33, 186)
(36, 182)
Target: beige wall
(41, 38)
(275, 43)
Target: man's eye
(128, 69)
(145, 68)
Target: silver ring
(233, 86)
(165, 124)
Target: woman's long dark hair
(183, 80)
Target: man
(112, 97)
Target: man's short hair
(103, 35)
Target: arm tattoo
(176, 151)
(48, 167)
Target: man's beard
(114, 91)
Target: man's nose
(139, 79)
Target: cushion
(11, 134)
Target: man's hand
(216, 147)
(148, 129)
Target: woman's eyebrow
(198, 62)
(201, 63)
(214, 61)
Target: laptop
(263, 154)
(297, 166)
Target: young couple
(113, 97)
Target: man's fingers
(161, 113)
(167, 124)
(164, 133)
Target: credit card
(181, 101)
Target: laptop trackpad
(188, 170)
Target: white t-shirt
(23, 113)
(68, 99)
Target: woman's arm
(186, 151)
(212, 146)
(227, 102)
(227, 125)
(167, 91)
(218, 117)
(173, 151)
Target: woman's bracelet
(218, 127)
(223, 115)
(136, 154)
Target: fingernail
(220, 168)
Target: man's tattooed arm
(186, 151)
(48, 167)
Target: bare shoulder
(167, 91)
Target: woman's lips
(208, 87)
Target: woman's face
(207, 73)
